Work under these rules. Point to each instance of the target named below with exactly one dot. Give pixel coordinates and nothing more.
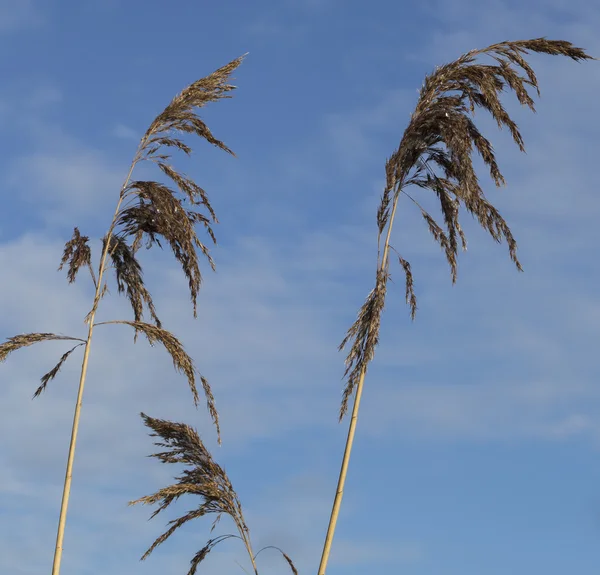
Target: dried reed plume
(205, 478)
(145, 210)
(435, 154)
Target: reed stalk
(145, 210)
(435, 154)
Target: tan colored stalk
(251, 555)
(435, 154)
(157, 210)
(339, 494)
(90, 319)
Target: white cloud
(468, 25)
(358, 138)
(64, 184)
(125, 132)
(484, 411)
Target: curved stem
(69, 471)
(337, 502)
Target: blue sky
(477, 449)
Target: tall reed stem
(74, 430)
(441, 134)
(159, 213)
(337, 502)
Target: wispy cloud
(80, 180)
(125, 132)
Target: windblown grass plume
(182, 362)
(19, 341)
(435, 154)
(204, 478)
(146, 210)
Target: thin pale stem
(246, 539)
(251, 554)
(337, 502)
(342, 477)
(69, 471)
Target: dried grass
(77, 253)
(204, 478)
(435, 154)
(182, 362)
(150, 210)
(18, 341)
(159, 212)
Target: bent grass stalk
(440, 135)
(206, 479)
(158, 211)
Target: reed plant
(146, 211)
(434, 156)
(204, 478)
